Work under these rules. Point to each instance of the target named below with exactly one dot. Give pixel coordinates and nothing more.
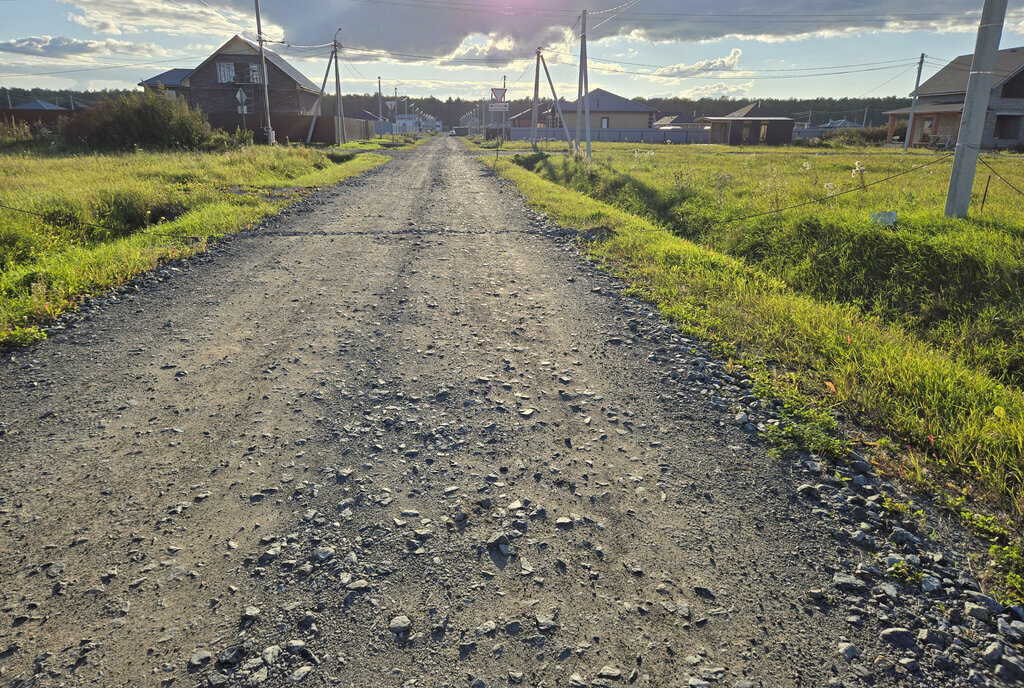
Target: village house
(750, 125)
(609, 111)
(940, 105)
(227, 86)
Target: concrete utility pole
(380, 106)
(8, 98)
(558, 106)
(536, 99)
(266, 83)
(579, 90)
(913, 105)
(586, 80)
(340, 136)
(972, 125)
(319, 98)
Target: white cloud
(718, 64)
(64, 47)
(716, 90)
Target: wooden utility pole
(536, 101)
(340, 136)
(972, 124)
(266, 83)
(913, 105)
(319, 98)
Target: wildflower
(858, 170)
(806, 165)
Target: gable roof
(666, 120)
(952, 79)
(170, 78)
(38, 105)
(752, 111)
(295, 75)
(604, 101)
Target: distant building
(840, 124)
(609, 111)
(940, 104)
(668, 120)
(38, 105)
(748, 126)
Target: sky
(745, 49)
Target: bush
(863, 136)
(143, 120)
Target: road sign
(243, 110)
(241, 97)
(392, 104)
(499, 107)
(498, 94)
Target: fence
(695, 134)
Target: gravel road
(405, 434)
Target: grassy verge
(98, 220)
(957, 284)
(959, 426)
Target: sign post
(242, 107)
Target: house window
(764, 132)
(225, 72)
(254, 73)
(1007, 127)
(605, 121)
(170, 95)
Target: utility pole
(340, 136)
(865, 122)
(536, 99)
(266, 84)
(8, 97)
(380, 106)
(319, 99)
(586, 80)
(972, 125)
(913, 105)
(579, 91)
(558, 105)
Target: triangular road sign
(498, 94)
(392, 104)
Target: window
(1007, 127)
(254, 73)
(605, 121)
(764, 132)
(170, 95)
(225, 72)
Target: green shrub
(140, 120)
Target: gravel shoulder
(404, 434)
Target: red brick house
(214, 86)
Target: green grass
(957, 284)
(959, 424)
(98, 220)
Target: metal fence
(689, 135)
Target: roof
(170, 78)
(603, 101)
(840, 124)
(928, 109)
(953, 77)
(38, 105)
(295, 75)
(279, 62)
(730, 118)
(667, 120)
(365, 114)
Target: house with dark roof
(748, 126)
(38, 105)
(228, 86)
(609, 111)
(940, 104)
(669, 120)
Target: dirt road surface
(406, 435)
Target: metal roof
(928, 108)
(38, 105)
(953, 77)
(604, 101)
(278, 61)
(170, 78)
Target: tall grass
(958, 284)
(93, 221)
(970, 426)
